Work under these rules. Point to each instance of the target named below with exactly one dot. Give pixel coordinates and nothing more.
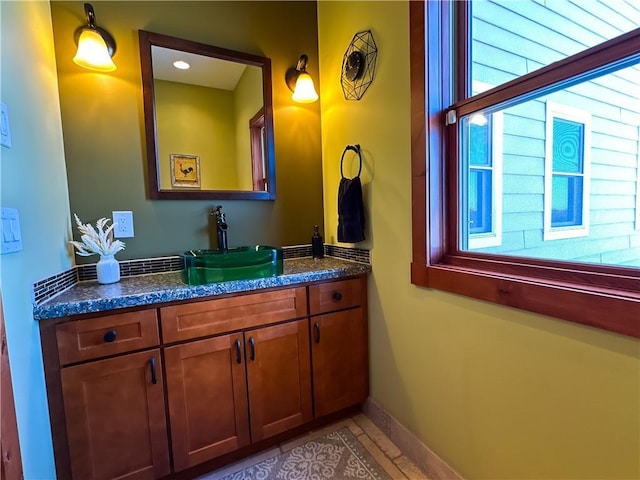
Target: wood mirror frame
(149, 39)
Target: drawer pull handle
(337, 296)
(238, 352)
(152, 365)
(252, 350)
(316, 332)
(110, 336)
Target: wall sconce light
(301, 83)
(96, 46)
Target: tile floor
(388, 456)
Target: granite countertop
(88, 297)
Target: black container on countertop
(317, 244)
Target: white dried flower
(98, 240)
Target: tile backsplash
(130, 268)
(45, 289)
(49, 287)
(347, 253)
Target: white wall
(33, 180)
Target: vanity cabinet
(279, 378)
(208, 382)
(114, 404)
(188, 321)
(207, 399)
(339, 344)
(215, 386)
(151, 392)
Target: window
(480, 190)
(567, 179)
(484, 191)
(638, 184)
(566, 78)
(566, 174)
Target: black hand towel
(350, 211)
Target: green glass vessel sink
(240, 263)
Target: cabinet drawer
(80, 340)
(193, 320)
(332, 296)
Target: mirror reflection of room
(208, 120)
(205, 108)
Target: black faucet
(221, 228)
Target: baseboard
(431, 464)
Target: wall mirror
(208, 121)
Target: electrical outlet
(123, 222)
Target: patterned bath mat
(337, 455)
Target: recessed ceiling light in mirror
(204, 70)
(181, 65)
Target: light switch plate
(10, 235)
(5, 129)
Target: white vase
(108, 269)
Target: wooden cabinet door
(207, 397)
(115, 414)
(340, 360)
(279, 378)
(10, 458)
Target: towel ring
(355, 148)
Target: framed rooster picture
(185, 171)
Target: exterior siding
(514, 38)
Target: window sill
(608, 309)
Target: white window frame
(494, 237)
(564, 112)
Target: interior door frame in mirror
(150, 39)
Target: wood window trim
(256, 129)
(605, 297)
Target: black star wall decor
(358, 65)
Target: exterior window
(638, 184)
(567, 174)
(484, 191)
(480, 178)
(542, 167)
(568, 147)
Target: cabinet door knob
(252, 350)
(337, 296)
(152, 365)
(110, 336)
(316, 332)
(238, 352)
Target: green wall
(498, 393)
(103, 122)
(32, 180)
(186, 126)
